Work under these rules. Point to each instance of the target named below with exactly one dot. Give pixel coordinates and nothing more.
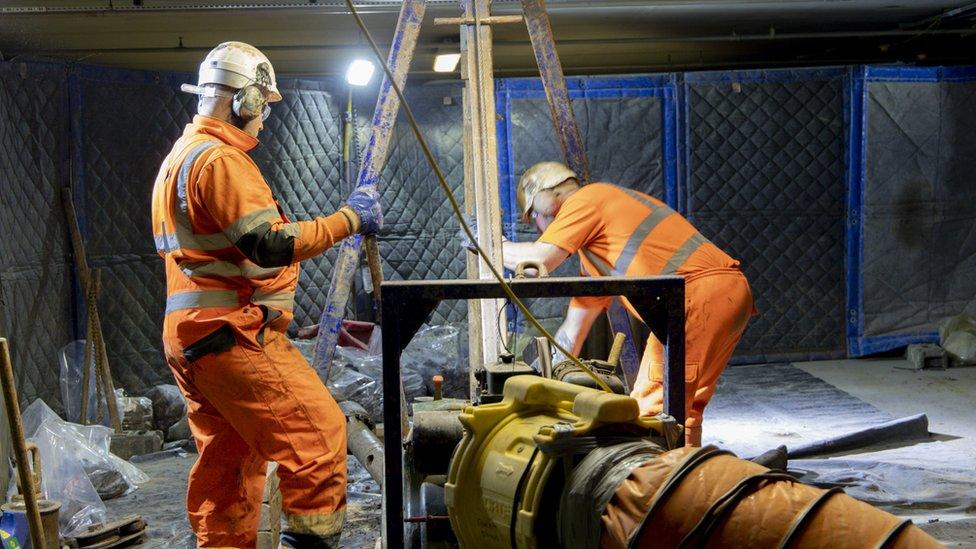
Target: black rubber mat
(758, 407)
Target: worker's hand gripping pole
(574, 149)
(374, 158)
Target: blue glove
(366, 203)
(463, 240)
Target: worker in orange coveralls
(231, 260)
(618, 231)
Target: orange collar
(221, 130)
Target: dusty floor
(948, 398)
(161, 504)
(950, 456)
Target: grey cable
(592, 484)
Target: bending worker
(231, 270)
(618, 231)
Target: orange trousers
(248, 406)
(718, 304)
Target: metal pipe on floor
(361, 441)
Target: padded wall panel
(118, 163)
(623, 137)
(300, 156)
(766, 182)
(418, 241)
(919, 203)
(35, 289)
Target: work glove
(464, 241)
(365, 202)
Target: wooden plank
(384, 118)
(481, 177)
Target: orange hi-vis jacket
(231, 254)
(619, 232)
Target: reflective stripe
(278, 300)
(657, 215)
(211, 268)
(254, 271)
(683, 253)
(184, 230)
(640, 198)
(601, 266)
(166, 243)
(201, 299)
(291, 229)
(228, 269)
(245, 223)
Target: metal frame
(659, 300)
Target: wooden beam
(481, 178)
(491, 20)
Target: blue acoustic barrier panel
(627, 124)
(35, 265)
(764, 178)
(915, 251)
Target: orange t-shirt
(619, 231)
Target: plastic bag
(357, 374)
(169, 406)
(957, 336)
(436, 350)
(136, 412)
(346, 383)
(70, 359)
(74, 459)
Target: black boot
(309, 541)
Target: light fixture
(446, 62)
(359, 72)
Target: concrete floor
(947, 397)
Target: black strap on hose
(722, 506)
(517, 497)
(893, 534)
(801, 521)
(692, 461)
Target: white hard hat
(237, 65)
(541, 176)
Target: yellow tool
(499, 474)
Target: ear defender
(249, 102)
